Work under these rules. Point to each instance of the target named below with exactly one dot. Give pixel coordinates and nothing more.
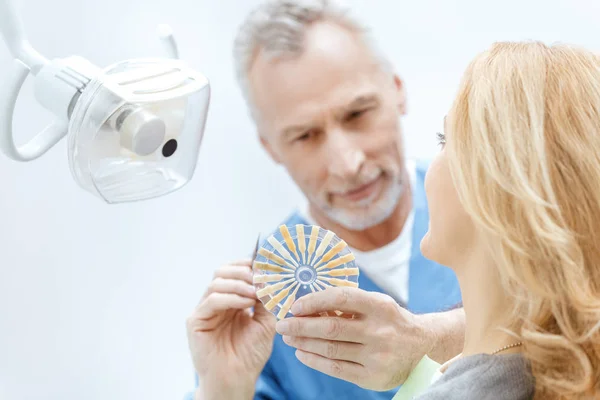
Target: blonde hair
(524, 154)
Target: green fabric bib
(419, 379)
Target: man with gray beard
(327, 106)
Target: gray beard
(372, 214)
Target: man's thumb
(261, 314)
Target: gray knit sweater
(484, 377)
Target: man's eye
(304, 136)
(355, 114)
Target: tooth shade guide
(288, 304)
(271, 267)
(320, 285)
(273, 288)
(337, 262)
(269, 255)
(298, 260)
(280, 296)
(331, 253)
(339, 272)
(301, 242)
(314, 235)
(281, 250)
(340, 282)
(288, 240)
(323, 245)
(271, 278)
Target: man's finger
(246, 262)
(345, 370)
(330, 328)
(219, 302)
(240, 272)
(333, 350)
(236, 286)
(347, 300)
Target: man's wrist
(445, 334)
(225, 389)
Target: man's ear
(267, 146)
(400, 95)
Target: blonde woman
(514, 201)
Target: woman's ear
(400, 95)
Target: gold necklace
(444, 366)
(510, 346)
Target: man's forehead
(310, 113)
(301, 74)
(328, 52)
(290, 91)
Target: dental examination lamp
(134, 129)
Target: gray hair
(278, 28)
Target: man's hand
(377, 348)
(229, 344)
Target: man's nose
(345, 157)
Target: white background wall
(93, 298)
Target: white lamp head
(134, 129)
